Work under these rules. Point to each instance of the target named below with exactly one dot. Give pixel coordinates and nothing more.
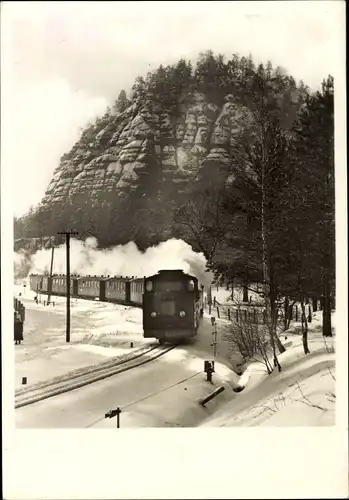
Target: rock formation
(112, 155)
(140, 162)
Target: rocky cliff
(113, 154)
(130, 171)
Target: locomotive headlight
(153, 314)
(182, 314)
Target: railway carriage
(44, 283)
(136, 291)
(172, 306)
(117, 289)
(91, 287)
(39, 283)
(59, 285)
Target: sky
(63, 63)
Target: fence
(253, 313)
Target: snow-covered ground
(167, 392)
(99, 330)
(302, 394)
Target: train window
(191, 285)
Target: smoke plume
(123, 260)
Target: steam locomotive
(171, 300)
(172, 306)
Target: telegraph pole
(50, 278)
(67, 236)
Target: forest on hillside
(267, 214)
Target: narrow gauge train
(118, 289)
(172, 306)
(171, 299)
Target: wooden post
(229, 314)
(211, 396)
(67, 235)
(112, 414)
(218, 312)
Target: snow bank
(302, 394)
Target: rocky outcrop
(112, 155)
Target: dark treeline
(266, 214)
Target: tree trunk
(314, 301)
(286, 307)
(279, 344)
(321, 303)
(326, 312)
(245, 293)
(209, 299)
(290, 316)
(304, 328)
(273, 335)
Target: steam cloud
(125, 260)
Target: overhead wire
(147, 397)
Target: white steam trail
(125, 260)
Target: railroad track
(75, 380)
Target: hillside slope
(180, 131)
